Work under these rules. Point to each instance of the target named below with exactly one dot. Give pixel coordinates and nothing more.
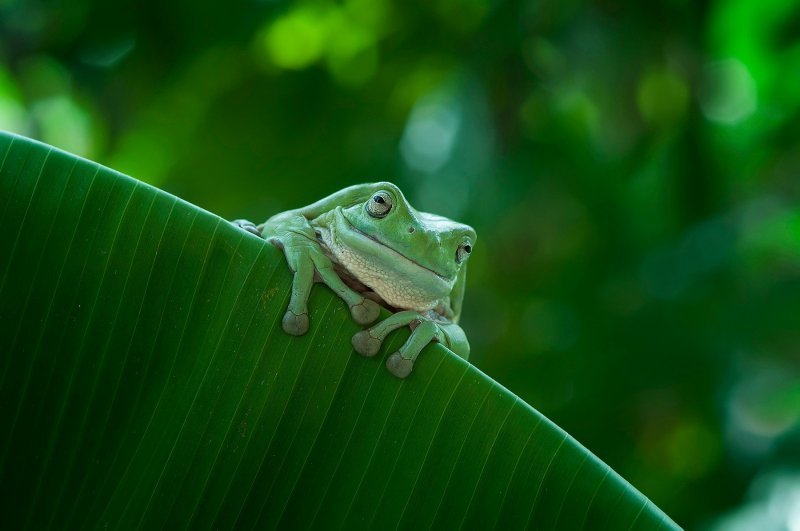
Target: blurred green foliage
(632, 169)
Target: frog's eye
(379, 204)
(462, 253)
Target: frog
(374, 250)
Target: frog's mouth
(356, 230)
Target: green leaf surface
(145, 381)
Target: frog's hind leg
(368, 342)
(402, 362)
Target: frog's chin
(398, 279)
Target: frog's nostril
(410, 230)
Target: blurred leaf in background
(632, 170)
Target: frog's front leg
(309, 264)
(304, 260)
(400, 363)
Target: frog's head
(427, 248)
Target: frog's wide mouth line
(376, 240)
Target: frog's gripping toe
(365, 312)
(295, 324)
(365, 344)
(248, 226)
(399, 366)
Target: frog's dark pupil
(468, 248)
(379, 199)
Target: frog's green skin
(370, 246)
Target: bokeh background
(632, 170)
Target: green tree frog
(372, 248)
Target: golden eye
(379, 204)
(463, 251)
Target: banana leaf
(145, 382)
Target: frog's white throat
(399, 281)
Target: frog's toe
(365, 344)
(248, 226)
(399, 366)
(295, 324)
(365, 312)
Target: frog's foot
(365, 344)
(248, 226)
(402, 362)
(399, 366)
(365, 312)
(368, 342)
(295, 324)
